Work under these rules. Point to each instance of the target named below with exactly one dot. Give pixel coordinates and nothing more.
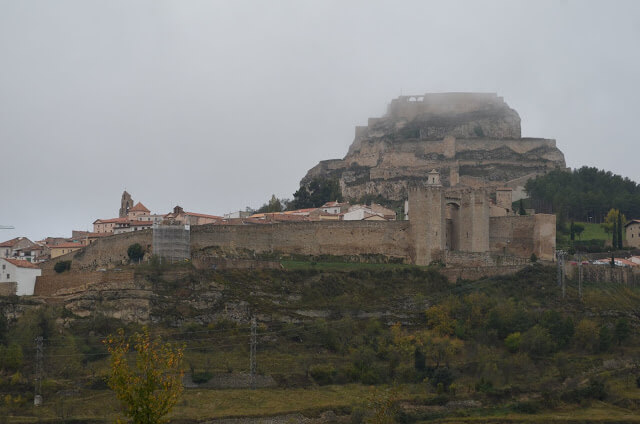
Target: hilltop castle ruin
(474, 139)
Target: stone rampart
(8, 289)
(105, 252)
(61, 284)
(343, 238)
(604, 274)
(523, 235)
(476, 272)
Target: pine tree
(619, 227)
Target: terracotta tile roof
(96, 235)
(139, 207)
(111, 220)
(21, 263)
(10, 243)
(141, 223)
(202, 215)
(67, 245)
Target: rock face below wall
(474, 135)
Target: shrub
(323, 374)
(512, 342)
(442, 377)
(201, 377)
(586, 335)
(537, 341)
(62, 266)
(605, 338)
(534, 258)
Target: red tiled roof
(96, 235)
(10, 243)
(21, 263)
(141, 223)
(202, 215)
(67, 245)
(111, 220)
(139, 207)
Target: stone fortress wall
(448, 225)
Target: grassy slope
(362, 287)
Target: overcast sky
(216, 105)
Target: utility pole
(37, 399)
(252, 355)
(580, 279)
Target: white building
(21, 273)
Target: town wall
(603, 274)
(339, 238)
(523, 235)
(105, 252)
(476, 272)
(8, 288)
(56, 284)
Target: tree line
(586, 194)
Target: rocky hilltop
(473, 139)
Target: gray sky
(216, 105)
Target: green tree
(578, 228)
(62, 266)
(619, 228)
(537, 341)
(316, 193)
(273, 205)
(512, 342)
(622, 330)
(521, 210)
(586, 335)
(605, 338)
(135, 252)
(149, 386)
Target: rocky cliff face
(471, 138)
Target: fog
(215, 105)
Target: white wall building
(23, 273)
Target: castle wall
(523, 235)
(105, 252)
(57, 284)
(427, 214)
(474, 221)
(340, 238)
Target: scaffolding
(172, 242)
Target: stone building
(632, 230)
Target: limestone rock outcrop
(471, 138)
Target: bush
(441, 377)
(512, 342)
(62, 266)
(201, 377)
(323, 374)
(537, 341)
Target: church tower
(126, 203)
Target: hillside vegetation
(353, 341)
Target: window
(8, 276)
(4, 267)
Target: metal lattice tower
(252, 354)
(37, 399)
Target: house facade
(18, 276)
